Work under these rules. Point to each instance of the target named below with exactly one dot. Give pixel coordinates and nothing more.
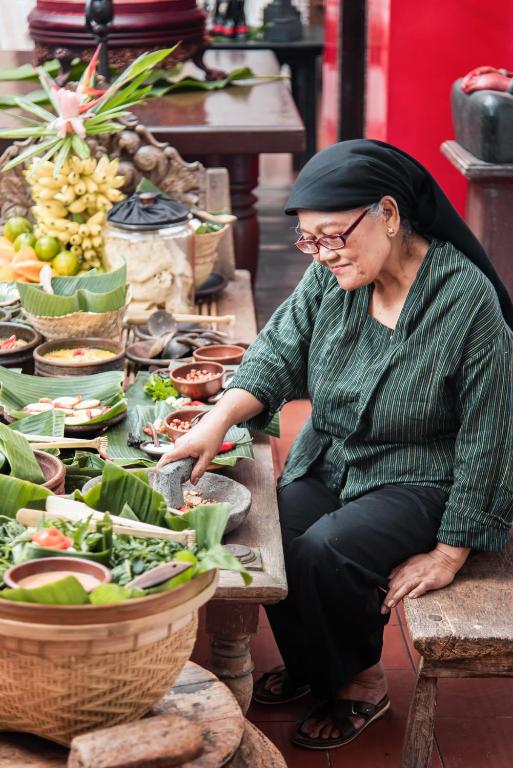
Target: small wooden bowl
(45, 367)
(225, 354)
(16, 573)
(185, 414)
(198, 390)
(53, 469)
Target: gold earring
(390, 231)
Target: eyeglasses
(331, 242)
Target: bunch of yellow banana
(72, 206)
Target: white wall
(13, 25)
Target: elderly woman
(398, 332)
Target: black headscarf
(360, 172)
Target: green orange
(47, 248)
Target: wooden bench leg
(418, 740)
(230, 626)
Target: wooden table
(229, 128)
(302, 56)
(232, 616)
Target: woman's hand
(421, 573)
(202, 442)
(205, 438)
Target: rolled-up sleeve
(275, 366)
(479, 509)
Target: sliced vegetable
(51, 538)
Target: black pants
(338, 559)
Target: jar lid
(147, 210)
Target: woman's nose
(326, 254)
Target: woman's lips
(339, 268)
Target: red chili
(227, 446)
(195, 402)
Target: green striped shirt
(429, 403)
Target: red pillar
(415, 52)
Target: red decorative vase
(58, 28)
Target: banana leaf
(98, 293)
(27, 71)
(34, 552)
(20, 456)
(84, 465)
(118, 488)
(16, 494)
(66, 591)
(19, 389)
(50, 423)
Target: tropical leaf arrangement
(92, 292)
(125, 495)
(72, 191)
(17, 390)
(86, 111)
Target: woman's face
(367, 247)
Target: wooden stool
(464, 630)
(198, 724)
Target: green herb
(160, 389)
(207, 227)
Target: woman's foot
(276, 687)
(359, 703)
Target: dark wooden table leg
(230, 626)
(243, 170)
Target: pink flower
(68, 108)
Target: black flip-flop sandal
(339, 713)
(289, 691)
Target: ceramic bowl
(226, 354)
(198, 390)
(14, 575)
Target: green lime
(66, 263)
(46, 248)
(16, 226)
(26, 238)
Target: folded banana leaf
(50, 423)
(19, 389)
(66, 591)
(16, 494)
(103, 292)
(118, 488)
(20, 456)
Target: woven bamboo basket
(67, 670)
(105, 325)
(205, 254)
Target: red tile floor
(474, 724)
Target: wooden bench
(464, 630)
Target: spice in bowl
(198, 381)
(179, 422)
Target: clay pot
(53, 470)
(45, 367)
(198, 390)
(24, 357)
(226, 354)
